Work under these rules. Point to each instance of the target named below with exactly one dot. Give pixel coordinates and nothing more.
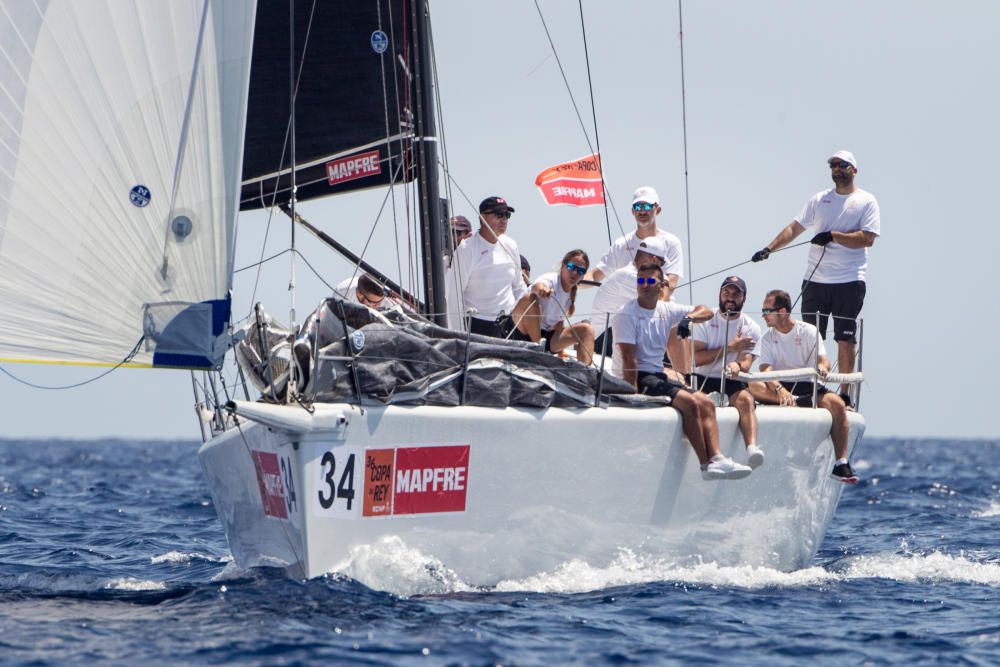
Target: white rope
(809, 374)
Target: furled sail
(354, 105)
(121, 140)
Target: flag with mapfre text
(577, 182)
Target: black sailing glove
(761, 255)
(822, 238)
(684, 328)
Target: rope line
(128, 358)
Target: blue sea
(111, 552)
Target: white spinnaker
(97, 97)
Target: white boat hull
(522, 491)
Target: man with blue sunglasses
(642, 331)
(645, 208)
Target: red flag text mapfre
(576, 183)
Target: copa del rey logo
(353, 167)
(576, 183)
(416, 480)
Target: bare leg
(743, 402)
(687, 405)
(580, 334)
(845, 360)
(528, 317)
(709, 425)
(839, 428)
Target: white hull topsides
(500, 494)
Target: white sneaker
(722, 467)
(755, 457)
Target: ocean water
(111, 552)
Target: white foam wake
(390, 565)
(181, 557)
(132, 584)
(992, 510)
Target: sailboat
(133, 135)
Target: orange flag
(577, 183)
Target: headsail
(121, 139)
(354, 106)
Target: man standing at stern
(845, 220)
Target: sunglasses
(582, 270)
(643, 206)
(645, 281)
(768, 311)
(501, 214)
(368, 301)
(839, 165)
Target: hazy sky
(773, 88)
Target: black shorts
(658, 384)
(498, 328)
(842, 300)
(803, 392)
(545, 342)
(709, 384)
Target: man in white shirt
(486, 272)
(364, 290)
(846, 221)
(789, 344)
(642, 330)
(645, 208)
(726, 345)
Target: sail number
(334, 487)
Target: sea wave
(131, 584)
(992, 510)
(181, 557)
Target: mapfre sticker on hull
(415, 480)
(272, 490)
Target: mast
(428, 187)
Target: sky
(772, 89)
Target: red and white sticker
(393, 481)
(353, 167)
(272, 489)
(430, 479)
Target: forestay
(121, 139)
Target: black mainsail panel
(354, 119)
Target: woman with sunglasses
(544, 312)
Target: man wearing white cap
(645, 208)
(618, 289)
(846, 221)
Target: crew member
(641, 331)
(789, 344)
(845, 220)
(726, 345)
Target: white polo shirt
(622, 253)
(553, 307)
(714, 334)
(487, 276)
(795, 349)
(647, 329)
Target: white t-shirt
(795, 349)
(487, 276)
(622, 253)
(714, 334)
(347, 289)
(648, 330)
(615, 291)
(828, 211)
(554, 307)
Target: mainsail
(353, 107)
(121, 141)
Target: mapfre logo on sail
(353, 167)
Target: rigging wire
(576, 108)
(687, 196)
(593, 110)
(128, 358)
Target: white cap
(645, 194)
(653, 245)
(846, 156)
